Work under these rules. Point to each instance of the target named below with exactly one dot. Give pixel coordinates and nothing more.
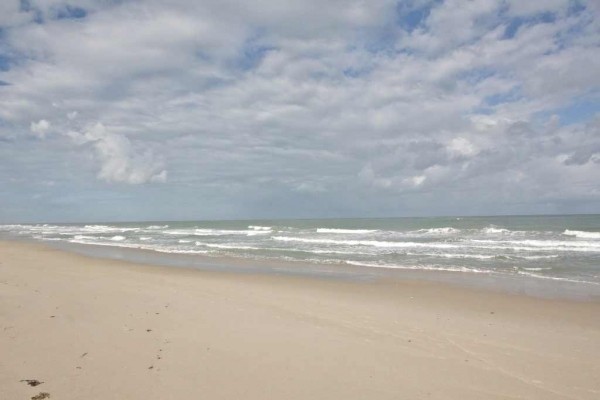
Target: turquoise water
(559, 248)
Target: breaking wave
(374, 243)
(349, 231)
(582, 234)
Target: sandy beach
(100, 329)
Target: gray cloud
(302, 109)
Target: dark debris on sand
(41, 396)
(32, 382)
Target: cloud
(120, 162)
(460, 146)
(40, 128)
(417, 180)
(426, 107)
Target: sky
(217, 109)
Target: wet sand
(86, 328)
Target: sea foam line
(374, 243)
(555, 278)
(582, 234)
(215, 232)
(350, 231)
(436, 231)
(419, 267)
(259, 228)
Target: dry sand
(98, 329)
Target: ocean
(553, 248)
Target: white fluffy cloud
(120, 162)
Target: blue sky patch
(412, 19)
(516, 23)
(4, 62)
(579, 110)
(252, 55)
(70, 12)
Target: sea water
(553, 248)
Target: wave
(215, 232)
(228, 247)
(458, 255)
(420, 267)
(582, 234)
(258, 233)
(101, 228)
(335, 230)
(465, 269)
(259, 228)
(484, 256)
(157, 227)
(437, 231)
(555, 278)
(136, 246)
(540, 257)
(179, 251)
(84, 237)
(508, 245)
(551, 243)
(541, 245)
(374, 243)
(117, 238)
(493, 230)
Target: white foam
(437, 231)
(177, 251)
(539, 257)
(134, 246)
(329, 251)
(99, 228)
(494, 230)
(556, 278)
(84, 237)
(157, 227)
(582, 234)
(351, 231)
(117, 238)
(457, 255)
(214, 232)
(541, 245)
(419, 267)
(116, 244)
(554, 243)
(145, 238)
(257, 233)
(227, 246)
(259, 228)
(374, 243)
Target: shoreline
(539, 287)
(95, 328)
